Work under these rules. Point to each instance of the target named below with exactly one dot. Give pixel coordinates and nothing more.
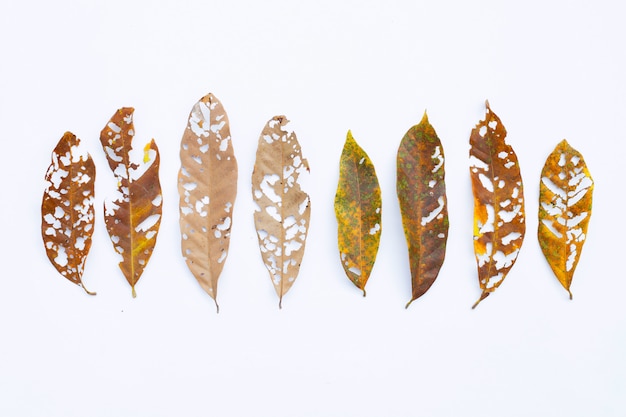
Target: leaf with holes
(499, 223)
(283, 209)
(358, 208)
(67, 209)
(133, 216)
(565, 193)
(207, 186)
(421, 192)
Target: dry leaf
(421, 192)
(499, 224)
(565, 193)
(207, 185)
(283, 209)
(133, 217)
(67, 209)
(358, 208)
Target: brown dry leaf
(133, 217)
(283, 212)
(421, 192)
(499, 223)
(67, 209)
(565, 194)
(207, 185)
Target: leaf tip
(425, 117)
(282, 119)
(126, 110)
(487, 105)
(70, 137)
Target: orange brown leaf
(67, 209)
(283, 208)
(499, 221)
(565, 194)
(207, 186)
(421, 193)
(358, 208)
(133, 216)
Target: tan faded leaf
(207, 186)
(283, 212)
(67, 210)
(499, 221)
(133, 216)
(565, 194)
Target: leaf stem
(86, 290)
(484, 295)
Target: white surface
(550, 69)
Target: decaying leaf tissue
(283, 208)
(358, 208)
(207, 186)
(421, 193)
(565, 193)
(67, 209)
(499, 221)
(133, 216)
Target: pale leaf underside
(207, 186)
(67, 209)
(358, 209)
(499, 220)
(565, 197)
(133, 216)
(283, 208)
(421, 193)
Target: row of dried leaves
(207, 188)
(207, 185)
(499, 218)
(132, 217)
(565, 197)
(422, 196)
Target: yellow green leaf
(358, 208)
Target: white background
(550, 69)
